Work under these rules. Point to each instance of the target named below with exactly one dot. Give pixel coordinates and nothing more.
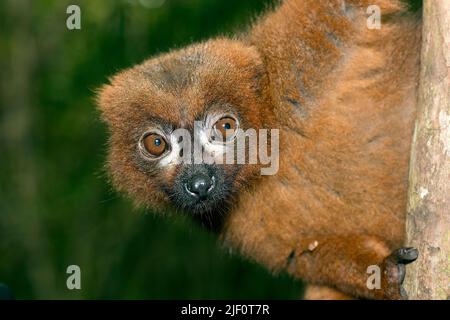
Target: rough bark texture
(428, 222)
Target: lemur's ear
(108, 100)
(244, 58)
(250, 61)
(104, 100)
(257, 58)
(259, 70)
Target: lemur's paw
(405, 255)
(395, 271)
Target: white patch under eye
(212, 147)
(173, 157)
(213, 150)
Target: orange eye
(225, 128)
(154, 144)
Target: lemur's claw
(395, 271)
(404, 255)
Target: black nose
(200, 185)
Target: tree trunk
(428, 219)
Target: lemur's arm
(345, 261)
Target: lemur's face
(174, 117)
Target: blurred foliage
(56, 207)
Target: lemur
(343, 97)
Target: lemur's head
(173, 117)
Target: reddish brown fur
(343, 97)
(227, 73)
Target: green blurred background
(56, 207)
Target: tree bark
(428, 218)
